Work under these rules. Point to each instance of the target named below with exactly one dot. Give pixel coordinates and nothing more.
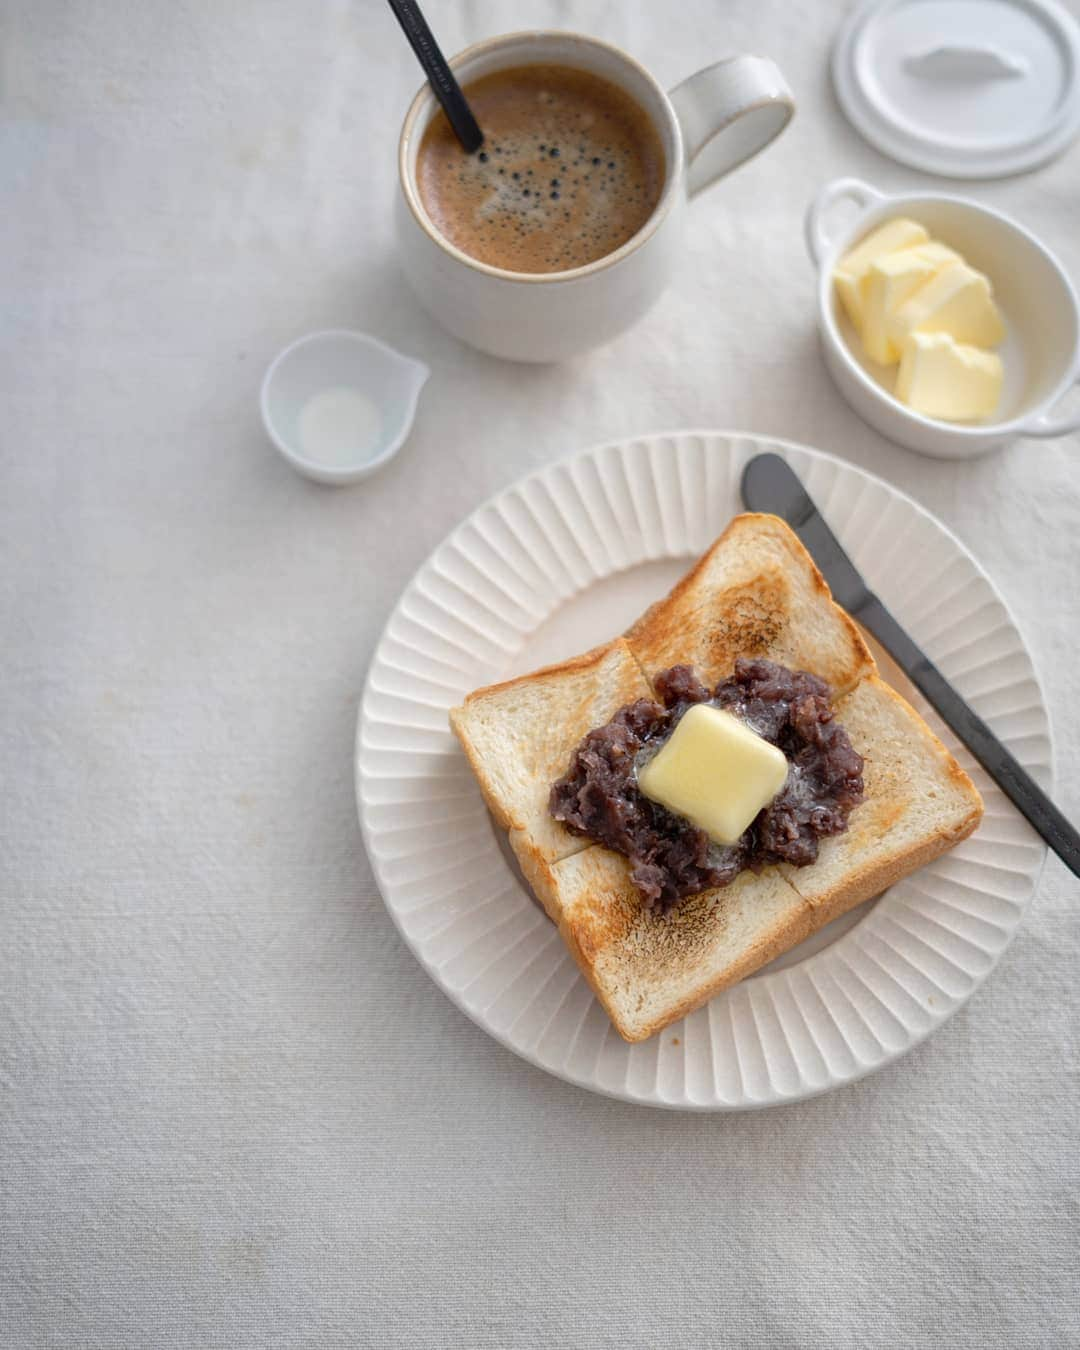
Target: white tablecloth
(234, 1111)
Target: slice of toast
(649, 970)
(755, 593)
(519, 736)
(919, 802)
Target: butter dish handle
(728, 112)
(818, 240)
(1043, 425)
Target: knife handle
(1010, 775)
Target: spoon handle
(440, 76)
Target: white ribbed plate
(566, 559)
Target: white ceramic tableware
(1041, 352)
(507, 592)
(339, 404)
(960, 88)
(709, 124)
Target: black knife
(769, 484)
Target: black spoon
(440, 76)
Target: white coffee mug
(708, 125)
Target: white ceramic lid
(962, 88)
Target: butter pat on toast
(755, 593)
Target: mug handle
(818, 240)
(728, 112)
(1043, 425)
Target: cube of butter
(851, 269)
(942, 378)
(889, 282)
(956, 301)
(715, 771)
(936, 252)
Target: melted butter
(715, 771)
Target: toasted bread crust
(919, 803)
(873, 879)
(492, 800)
(762, 612)
(648, 969)
(538, 872)
(585, 661)
(868, 875)
(770, 942)
(518, 736)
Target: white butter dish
(1041, 350)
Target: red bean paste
(598, 796)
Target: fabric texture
(234, 1111)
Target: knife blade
(770, 484)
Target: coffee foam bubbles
(570, 169)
